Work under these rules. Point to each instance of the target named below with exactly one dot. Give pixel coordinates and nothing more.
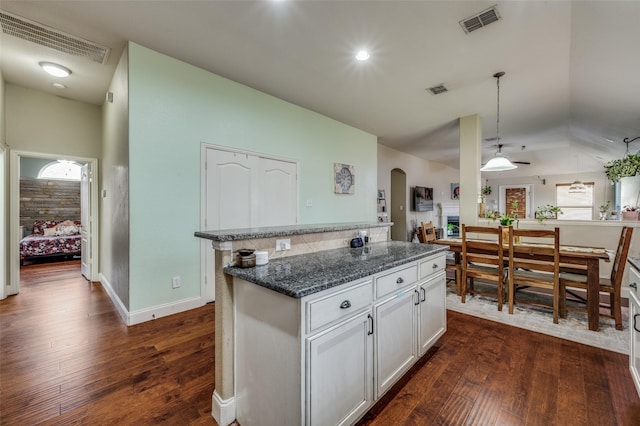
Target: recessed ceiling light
(362, 55)
(59, 85)
(55, 69)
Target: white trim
(223, 411)
(122, 310)
(151, 313)
(13, 286)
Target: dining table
(578, 256)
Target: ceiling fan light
(577, 187)
(498, 164)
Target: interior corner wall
(114, 189)
(419, 172)
(174, 108)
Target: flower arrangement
(629, 165)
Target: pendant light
(577, 187)
(499, 162)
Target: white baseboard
(151, 313)
(223, 411)
(122, 310)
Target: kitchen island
(320, 337)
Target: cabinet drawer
(396, 280)
(432, 266)
(335, 306)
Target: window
(575, 206)
(60, 170)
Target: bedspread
(39, 245)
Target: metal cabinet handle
(399, 280)
(424, 294)
(633, 286)
(418, 297)
(370, 323)
(345, 305)
(634, 322)
(435, 266)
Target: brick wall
(42, 199)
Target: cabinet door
(395, 338)
(433, 311)
(634, 344)
(339, 386)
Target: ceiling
(570, 95)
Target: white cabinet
(432, 311)
(324, 359)
(339, 374)
(634, 327)
(395, 336)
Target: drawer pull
(399, 280)
(633, 286)
(345, 305)
(634, 322)
(417, 297)
(369, 333)
(435, 266)
(424, 294)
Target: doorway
(89, 206)
(399, 205)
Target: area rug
(573, 328)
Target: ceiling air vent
(45, 36)
(436, 90)
(480, 20)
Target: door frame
(529, 195)
(14, 213)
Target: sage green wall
(175, 107)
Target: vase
(481, 213)
(630, 216)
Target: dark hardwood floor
(67, 358)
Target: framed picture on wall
(344, 178)
(455, 191)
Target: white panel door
(278, 196)
(433, 312)
(243, 191)
(339, 383)
(85, 221)
(396, 334)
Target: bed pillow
(40, 225)
(50, 232)
(68, 227)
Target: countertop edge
(282, 231)
(249, 274)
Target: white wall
(419, 173)
(4, 193)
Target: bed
(51, 238)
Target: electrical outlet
(284, 244)
(176, 282)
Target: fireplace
(455, 221)
(449, 214)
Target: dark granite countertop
(282, 231)
(305, 274)
(634, 262)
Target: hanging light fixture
(577, 187)
(499, 162)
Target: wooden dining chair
(482, 257)
(611, 285)
(535, 263)
(428, 234)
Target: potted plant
(483, 195)
(629, 165)
(547, 212)
(630, 213)
(604, 209)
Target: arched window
(60, 170)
